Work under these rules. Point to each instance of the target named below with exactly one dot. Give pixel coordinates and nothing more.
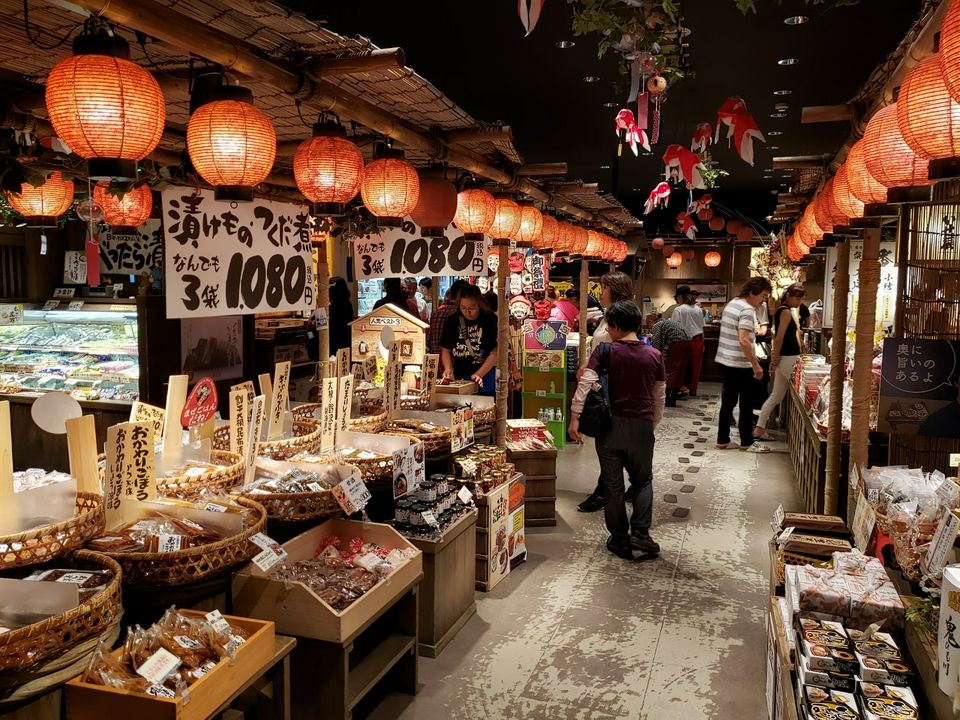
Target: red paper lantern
(862, 184)
(793, 253)
(843, 198)
(668, 250)
(928, 118)
(745, 234)
(657, 243)
(688, 254)
(825, 210)
(595, 244)
(888, 157)
(675, 260)
(733, 226)
(950, 50)
(436, 206)
(716, 223)
(705, 214)
(41, 205)
(328, 169)
(564, 238)
(531, 225)
(232, 144)
(549, 233)
(580, 240)
(110, 111)
(390, 188)
(506, 222)
(801, 246)
(476, 210)
(127, 211)
(712, 259)
(807, 229)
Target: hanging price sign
(398, 252)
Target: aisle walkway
(579, 633)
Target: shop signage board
(538, 272)
(919, 385)
(201, 404)
(130, 476)
(144, 412)
(257, 414)
(223, 258)
(402, 252)
(132, 254)
(545, 334)
(498, 534)
(886, 292)
(75, 267)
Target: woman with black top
(786, 350)
(468, 346)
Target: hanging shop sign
(919, 385)
(131, 254)
(401, 252)
(223, 258)
(886, 291)
(538, 272)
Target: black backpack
(595, 418)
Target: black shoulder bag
(595, 418)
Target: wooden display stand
(493, 561)
(449, 576)
(808, 455)
(780, 684)
(540, 467)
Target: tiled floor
(578, 633)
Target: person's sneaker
(622, 551)
(756, 448)
(591, 504)
(645, 545)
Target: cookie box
(825, 644)
(886, 702)
(817, 703)
(822, 678)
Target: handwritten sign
(132, 253)
(932, 563)
(11, 314)
(75, 267)
(130, 470)
(51, 305)
(344, 402)
(391, 389)
(864, 520)
(352, 494)
(223, 258)
(144, 412)
(239, 420)
(281, 394)
(918, 387)
(247, 387)
(886, 290)
(393, 353)
(75, 305)
(431, 373)
(64, 293)
(328, 414)
(201, 404)
(399, 252)
(369, 368)
(257, 414)
(343, 362)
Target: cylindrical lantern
(231, 143)
(745, 234)
(506, 221)
(657, 243)
(390, 187)
(41, 205)
(950, 49)
(688, 254)
(531, 225)
(549, 232)
(476, 210)
(928, 118)
(888, 157)
(793, 253)
(807, 229)
(801, 246)
(595, 244)
(843, 198)
(580, 240)
(124, 212)
(328, 169)
(108, 110)
(705, 214)
(565, 235)
(712, 259)
(716, 223)
(436, 207)
(675, 260)
(733, 226)
(825, 211)
(668, 250)
(862, 184)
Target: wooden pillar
(584, 291)
(503, 340)
(903, 259)
(323, 298)
(838, 351)
(869, 273)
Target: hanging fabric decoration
(658, 198)
(529, 11)
(702, 138)
(643, 110)
(627, 130)
(741, 127)
(687, 163)
(701, 203)
(687, 226)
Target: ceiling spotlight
(774, 133)
(591, 78)
(611, 104)
(778, 115)
(781, 107)
(604, 167)
(796, 20)
(768, 177)
(787, 61)
(782, 92)
(565, 44)
(773, 147)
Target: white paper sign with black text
(402, 252)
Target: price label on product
(144, 412)
(544, 368)
(129, 475)
(160, 691)
(932, 563)
(64, 293)
(75, 305)
(954, 460)
(352, 494)
(217, 622)
(465, 495)
(158, 666)
(948, 493)
(784, 536)
(864, 520)
(11, 314)
(215, 507)
(778, 517)
(272, 551)
(51, 305)
(430, 519)
(368, 561)
(396, 253)
(328, 414)
(541, 393)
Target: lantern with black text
(531, 225)
(328, 169)
(41, 205)
(436, 207)
(476, 210)
(124, 213)
(390, 188)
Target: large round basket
(434, 443)
(43, 655)
(215, 481)
(484, 417)
(296, 507)
(306, 438)
(50, 541)
(364, 423)
(371, 403)
(141, 569)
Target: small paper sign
(130, 476)
(247, 387)
(461, 429)
(864, 520)
(352, 494)
(158, 666)
(344, 402)
(541, 393)
(948, 493)
(431, 519)
(784, 536)
(75, 305)
(943, 539)
(328, 414)
(343, 362)
(272, 551)
(281, 394)
(391, 388)
(144, 412)
(217, 622)
(368, 562)
(431, 373)
(778, 517)
(544, 368)
(369, 368)
(239, 419)
(257, 414)
(64, 293)
(320, 319)
(409, 471)
(11, 314)
(465, 495)
(201, 404)
(954, 460)
(51, 305)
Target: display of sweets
(482, 468)
(88, 582)
(273, 477)
(431, 508)
(194, 468)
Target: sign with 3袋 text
(223, 258)
(401, 252)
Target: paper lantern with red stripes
(862, 184)
(124, 212)
(41, 205)
(436, 206)
(531, 225)
(595, 244)
(657, 243)
(843, 197)
(928, 117)
(888, 157)
(476, 210)
(390, 188)
(328, 169)
(506, 221)
(950, 49)
(825, 210)
(549, 232)
(733, 226)
(807, 229)
(580, 240)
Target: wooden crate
(534, 463)
(86, 701)
(447, 599)
(298, 611)
(541, 512)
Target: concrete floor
(578, 633)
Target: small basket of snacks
(297, 489)
(304, 436)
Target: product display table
(540, 467)
(808, 454)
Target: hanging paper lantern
(108, 110)
(476, 210)
(825, 211)
(561, 245)
(328, 169)
(688, 254)
(950, 50)
(41, 205)
(594, 247)
(675, 260)
(745, 234)
(531, 225)
(705, 214)
(231, 143)
(436, 206)
(657, 243)
(668, 250)
(807, 229)
(580, 240)
(506, 222)
(716, 223)
(862, 184)
(712, 259)
(928, 118)
(127, 211)
(888, 157)
(390, 188)
(843, 198)
(793, 253)
(733, 226)
(549, 232)
(801, 245)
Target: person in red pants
(690, 316)
(669, 337)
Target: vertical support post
(584, 291)
(323, 298)
(503, 340)
(903, 260)
(838, 350)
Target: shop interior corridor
(577, 633)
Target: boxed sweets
(880, 659)
(825, 644)
(846, 682)
(887, 702)
(819, 703)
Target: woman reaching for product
(468, 346)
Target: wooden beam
(542, 169)
(800, 161)
(827, 113)
(380, 59)
(479, 134)
(573, 189)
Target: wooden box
(457, 387)
(541, 512)
(447, 599)
(534, 463)
(86, 701)
(298, 611)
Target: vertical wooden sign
(131, 475)
(343, 362)
(253, 440)
(82, 451)
(144, 412)
(239, 421)
(344, 402)
(281, 393)
(391, 388)
(369, 368)
(6, 451)
(247, 387)
(431, 369)
(266, 389)
(172, 427)
(394, 350)
(328, 415)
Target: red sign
(201, 404)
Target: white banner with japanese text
(886, 292)
(132, 254)
(225, 258)
(402, 252)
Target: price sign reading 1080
(418, 256)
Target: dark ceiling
(475, 51)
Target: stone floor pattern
(578, 633)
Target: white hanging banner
(223, 258)
(402, 252)
(886, 291)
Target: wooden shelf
(377, 664)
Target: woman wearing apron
(468, 347)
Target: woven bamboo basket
(415, 402)
(785, 558)
(364, 423)
(306, 438)
(369, 403)
(297, 507)
(484, 417)
(213, 482)
(434, 443)
(141, 569)
(907, 543)
(23, 648)
(50, 541)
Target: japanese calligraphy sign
(256, 428)
(278, 402)
(11, 314)
(919, 382)
(538, 272)
(344, 400)
(391, 388)
(948, 640)
(75, 267)
(343, 362)
(130, 476)
(431, 371)
(144, 412)
(369, 368)
(886, 292)
(201, 404)
(247, 387)
(130, 254)
(328, 414)
(239, 421)
(223, 258)
(400, 252)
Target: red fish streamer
(627, 130)
(741, 127)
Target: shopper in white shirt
(690, 317)
(411, 285)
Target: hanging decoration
(825, 211)
(950, 49)
(928, 117)
(887, 156)
(712, 259)
(843, 198)
(42, 204)
(862, 184)
(436, 206)
(675, 260)
(628, 131)
(529, 11)
(687, 226)
(668, 250)
(741, 127)
(127, 211)
(716, 223)
(506, 222)
(745, 234)
(700, 204)
(687, 163)
(733, 226)
(688, 254)
(580, 239)
(657, 243)
(657, 85)
(391, 187)
(595, 244)
(702, 138)
(476, 210)
(549, 231)
(659, 197)
(328, 169)
(807, 229)
(531, 225)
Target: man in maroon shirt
(439, 317)
(637, 381)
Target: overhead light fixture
(778, 115)
(611, 104)
(591, 78)
(782, 92)
(774, 133)
(796, 20)
(773, 147)
(565, 44)
(781, 107)
(787, 61)
(604, 167)
(768, 177)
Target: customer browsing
(784, 354)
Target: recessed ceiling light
(611, 104)
(768, 177)
(782, 92)
(565, 44)
(781, 107)
(787, 61)
(778, 115)
(591, 78)
(796, 20)
(774, 147)
(604, 167)
(774, 133)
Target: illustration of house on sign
(371, 334)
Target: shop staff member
(468, 346)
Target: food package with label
(887, 702)
(880, 659)
(811, 522)
(823, 678)
(825, 644)
(860, 598)
(818, 703)
(88, 582)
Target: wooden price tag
(144, 412)
(247, 387)
(343, 362)
(391, 389)
(369, 368)
(131, 476)
(328, 415)
(394, 356)
(352, 494)
(82, 451)
(257, 414)
(344, 403)
(281, 395)
(172, 429)
(6, 451)
(431, 373)
(239, 420)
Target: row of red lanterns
(675, 258)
